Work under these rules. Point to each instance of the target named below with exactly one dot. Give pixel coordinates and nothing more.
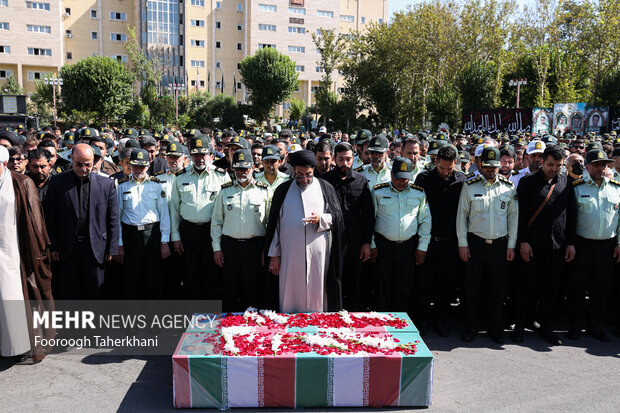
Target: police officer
(486, 228)
(361, 147)
(144, 230)
(597, 246)
(271, 175)
(402, 234)
(378, 171)
(191, 206)
(534, 153)
(238, 229)
(175, 157)
(236, 142)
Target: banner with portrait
(614, 118)
(596, 119)
(541, 121)
(568, 117)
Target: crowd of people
(508, 230)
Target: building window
(36, 5)
(38, 75)
(218, 65)
(4, 25)
(5, 73)
(218, 4)
(240, 27)
(197, 23)
(298, 30)
(197, 43)
(239, 46)
(93, 14)
(319, 69)
(218, 45)
(238, 66)
(7, 49)
(325, 13)
(38, 29)
(118, 37)
(197, 63)
(267, 7)
(266, 46)
(68, 33)
(94, 35)
(199, 3)
(239, 85)
(200, 82)
(297, 49)
(218, 25)
(347, 18)
(218, 84)
(267, 27)
(39, 52)
(300, 68)
(363, 19)
(4, 3)
(380, 21)
(114, 15)
(297, 10)
(239, 7)
(119, 58)
(67, 11)
(69, 55)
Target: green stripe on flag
(415, 379)
(206, 382)
(311, 381)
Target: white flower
(230, 343)
(272, 315)
(315, 339)
(374, 314)
(344, 314)
(251, 313)
(237, 330)
(276, 341)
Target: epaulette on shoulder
(227, 185)
(469, 175)
(473, 180)
(125, 179)
(181, 172)
(414, 186)
(383, 185)
(613, 181)
(261, 185)
(221, 170)
(153, 179)
(578, 182)
(160, 172)
(514, 172)
(359, 169)
(505, 180)
(429, 166)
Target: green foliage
(270, 78)
(331, 47)
(99, 85)
(41, 103)
(610, 89)
(11, 87)
(297, 109)
(477, 85)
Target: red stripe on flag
(279, 381)
(182, 386)
(384, 381)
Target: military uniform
(487, 223)
(238, 228)
(373, 177)
(281, 177)
(144, 226)
(402, 226)
(191, 208)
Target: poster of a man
(568, 116)
(596, 119)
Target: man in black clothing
(149, 144)
(442, 185)
(359, 218)
(39, 171)
(547, 238)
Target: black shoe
(423, 328)
(468, 335)
(497, 336)
(441, 329)
(517, 334)
(550, 337)
(573, 333)
(599, 334)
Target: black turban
(302, 158)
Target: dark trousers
(435, 281)
(594, 267)
(351, 273)
(142, 269)
(80, 276)
(395, 272)
(487, 268)
(536, 287)
(199, 274)
(173, 276)
(243, 272)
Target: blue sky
(396, 5)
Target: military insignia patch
(403, 167)
(212, 196)
(229, 207)
(59, 169)
(503, 205)
(163, 194)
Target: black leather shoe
(517, 334)
(497, 336)
(441, 329)
(468, 335)
(573, 333)
(599, 334)
(423, 328)
(550, 337)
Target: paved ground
(479, 376)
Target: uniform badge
(212, 196)
(503, 205)
(58, 169)
(229, 207)
(163, 194)
(256, 208)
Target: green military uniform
(374, 177)
(281, 177)
(487, 223)
(402, 226)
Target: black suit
(157, 165)
(82, 250)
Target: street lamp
(54, 82)
(173, 87)
(517, 83)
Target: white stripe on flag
(242, 381)
(348, 381)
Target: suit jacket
(158, 165)
(61, 214)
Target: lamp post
(176, 88)
(517, 83)
(54, 82)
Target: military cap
(435, 145)
(96, 151)
(109, 143)
(130, 133)
(422, 136)
(535, 146)
(550, 140)
(402, 168)
(144, 132)
(40, 135)
(490, 157)
(87, 133)
(464, 156)
(363, 136)
(477, 140)
(69, 137)
(174, 149)
(271, 152)
(295, 140)
(379, 144)
(294, 148)
(242, 159)
(199, 144)
(594, 145)
(192, 133)
(166, 138)
(139, 157)
(597, 155)
(238, 141)
(132, 143)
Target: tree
(297, 109)
(331, 47)
(477, 85)
(42, 102)
(144, 69)
(100, 85)
(11, 87)
(270, 78)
